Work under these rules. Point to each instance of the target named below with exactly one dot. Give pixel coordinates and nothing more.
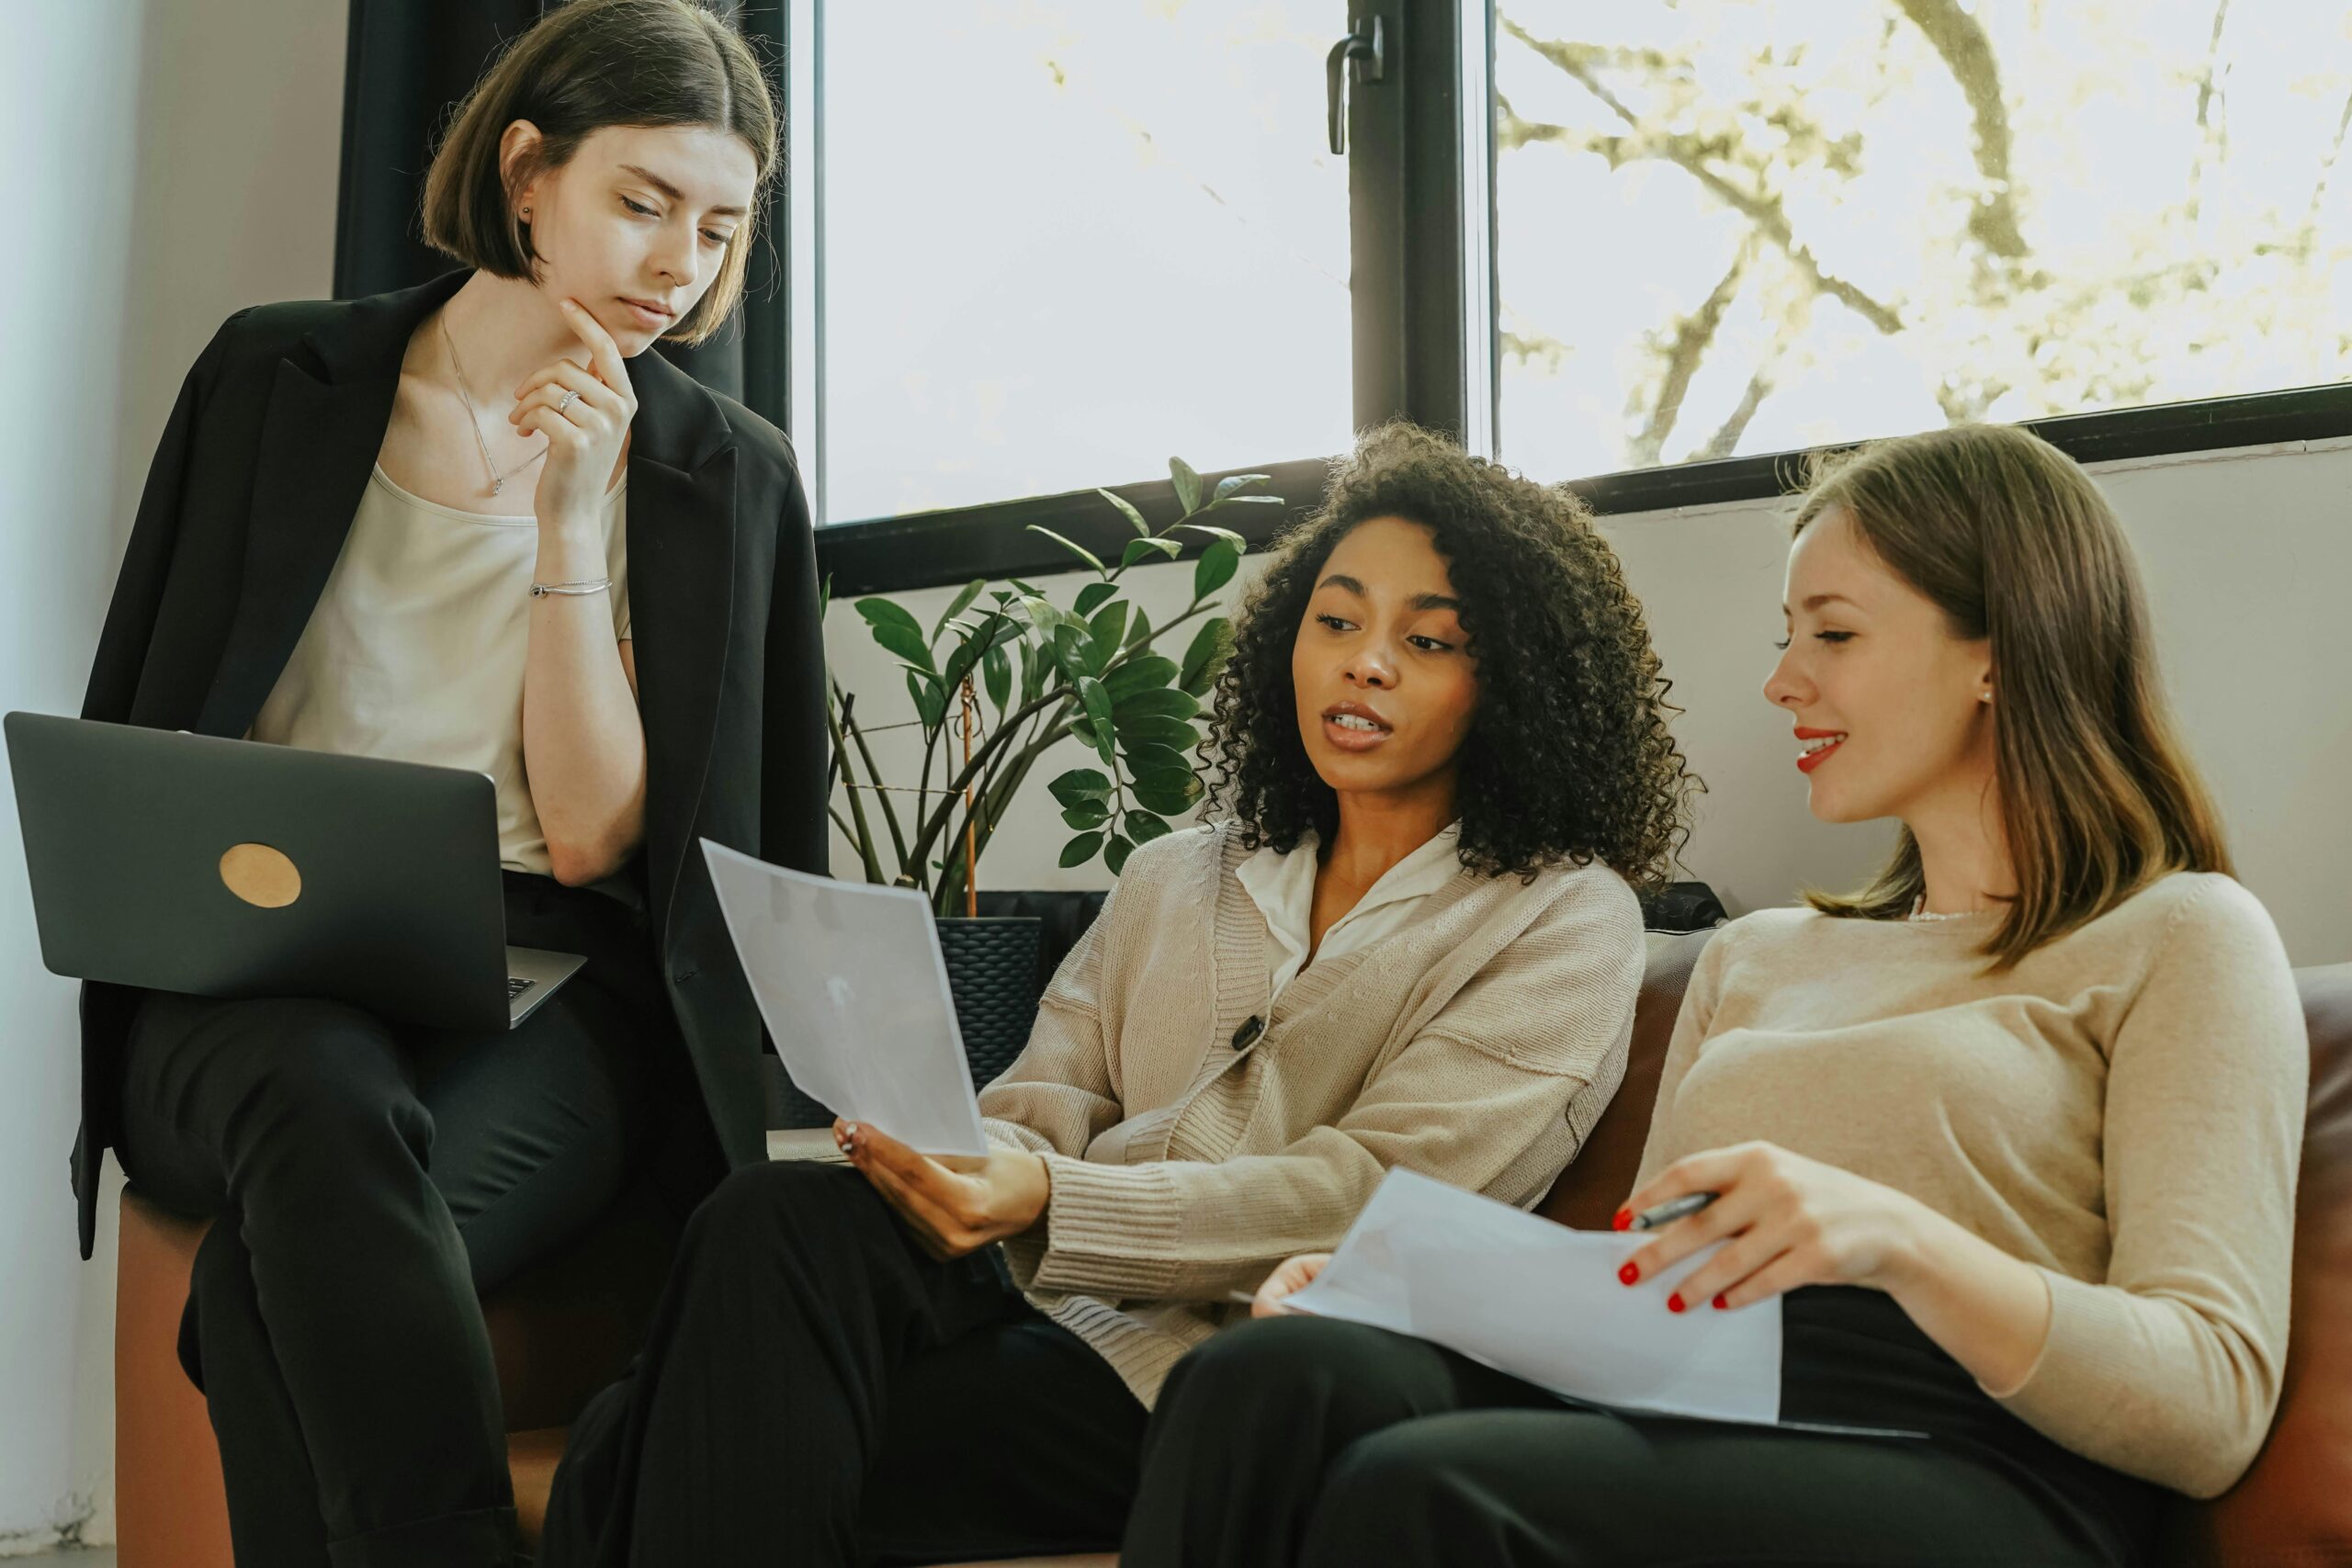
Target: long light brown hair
(2009, 537)
(590, 65)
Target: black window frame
(1408, 238)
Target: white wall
(174, 162)
(186, 165)
(2246, 553)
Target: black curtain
(408, 63)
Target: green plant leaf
(1244, 501)
(1188, 484)
(961, 664)
(1138, 629)
(961, 602)
(1098, 713)
(1115, 857)
(1232, 482)
(824, 595)
(1145, 758)
(996, 671)
(1080, 551)
(1143, 826)
(1150, 730)
(1127, 508)
(1213, 532)
(1210, 646)
(1091, 597)
(1080, 850)
(1215, 568)
(1138, 549)
(897, 630)
(1109, 626)
(879, 610)
(1088, 814)
(1164, 702)
(1167, 794)
(1144, 672)
(930, 699)
(1033, 666)
(1070, 649)
(1080, 784)
(1084, 729)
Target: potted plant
(996, 682)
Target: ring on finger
(564, 401)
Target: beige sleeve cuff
(2118, 1389)
(1113, 1231)
(1014, 1135)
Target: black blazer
(253, 486)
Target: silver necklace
(1919, 911)
(473, 420)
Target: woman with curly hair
(1410, 938)
(2007, 1139)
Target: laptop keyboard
(517, 985)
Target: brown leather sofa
(562, 1332)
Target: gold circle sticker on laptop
(261, 876)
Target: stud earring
(1983, 696)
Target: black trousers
(1331, 1445)
(370, 1180)
(816, 1389)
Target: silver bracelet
(595, 585)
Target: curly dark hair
(1568, 756)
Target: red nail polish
(1629, 1273)
(1674, 1301)
(1722, 1305)
(1622, 1218)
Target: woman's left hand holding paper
(953, 1206)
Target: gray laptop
(230, 868)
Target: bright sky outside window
(1063, 242)
(1740, 226)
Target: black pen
(1666, 1213)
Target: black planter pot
(992, 973)
(996, 970)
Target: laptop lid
(230, 868)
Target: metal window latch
(1364, 55)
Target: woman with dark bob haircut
(325, 557)
(1408, 937)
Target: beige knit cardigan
(1478, 1045)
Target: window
(1647, 246)
(1727, 227)
(1043, 246)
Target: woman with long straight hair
(2012, 1132)
(441, 525)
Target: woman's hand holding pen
(954, 1207)
(1785, 1221)
(586, 433)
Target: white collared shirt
(1282, 887)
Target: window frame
(1418, 148)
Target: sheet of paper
(850, 979)
(1544, 1303)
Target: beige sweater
(2123, 1111)
(1478, 1045)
